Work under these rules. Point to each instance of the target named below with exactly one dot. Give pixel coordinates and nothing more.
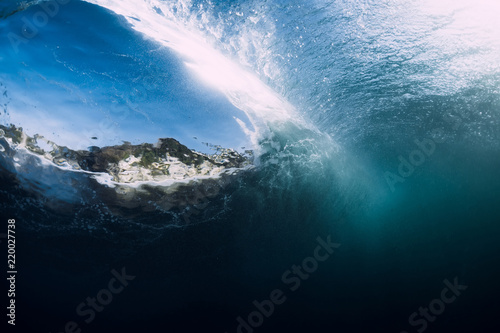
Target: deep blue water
(392, 150)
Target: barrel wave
(210, 146)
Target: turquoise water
(375, 124)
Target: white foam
(23, 154)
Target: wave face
(376, 123)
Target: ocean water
(375, 127)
